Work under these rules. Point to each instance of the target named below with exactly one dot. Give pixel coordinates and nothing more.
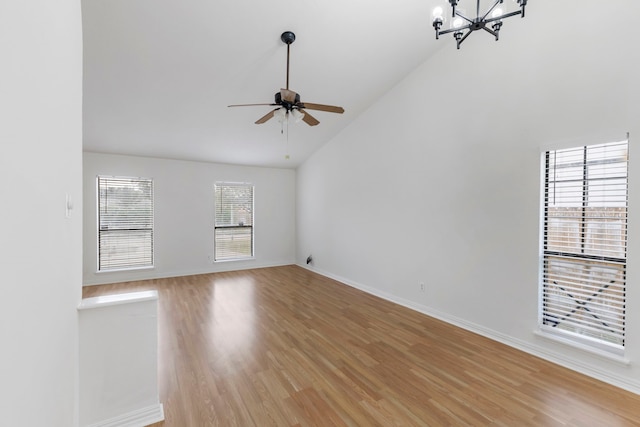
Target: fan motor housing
(286, 104)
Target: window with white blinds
(584, 239)
(125, 223)
(233, 229)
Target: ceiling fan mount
(288, 101)
(288, 37)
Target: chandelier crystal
(462, 26)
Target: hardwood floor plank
(286, 347)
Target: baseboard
(106, 278)
(527, 347)
(138, 418)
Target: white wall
(40, 249)
(439, 181)
(183, 221)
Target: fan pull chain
(286, 156)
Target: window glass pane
(605, 232)
(234, 205)
(125, 223)
(233, 231)
(584, 242)
(233, 243)
(585, 297)
(607, 193)
(126, 249)
(563, 230)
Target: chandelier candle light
(491, 21)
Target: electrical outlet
(422, 287)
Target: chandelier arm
(453, 30)
(490, 31)
(497, 2)
(470, 21)
(506, 15)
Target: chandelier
(461, 26)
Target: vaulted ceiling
(159, 74)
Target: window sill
(234, 259)
(116, 270)
(605, 354)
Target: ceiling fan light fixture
(280, 114)
(297, 115)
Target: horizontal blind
(125, 223)
(233, 231)
(585, 241)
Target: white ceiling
(159, 74)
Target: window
(125, 223)
(584, 245)
(233, 229)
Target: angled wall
(439, 181)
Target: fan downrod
(288, 37)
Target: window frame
(576, 339)
(151, 227)
(239, 226)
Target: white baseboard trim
(138, 418)
(105, 278)
(527, 347)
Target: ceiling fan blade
(249, 105)
(309, 119)
(266, 117)
(321, 107)
(288, 95)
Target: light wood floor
(286, 347)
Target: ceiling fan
(288, 102)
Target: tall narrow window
(233, 230)
(584, 239)
(125, 223)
